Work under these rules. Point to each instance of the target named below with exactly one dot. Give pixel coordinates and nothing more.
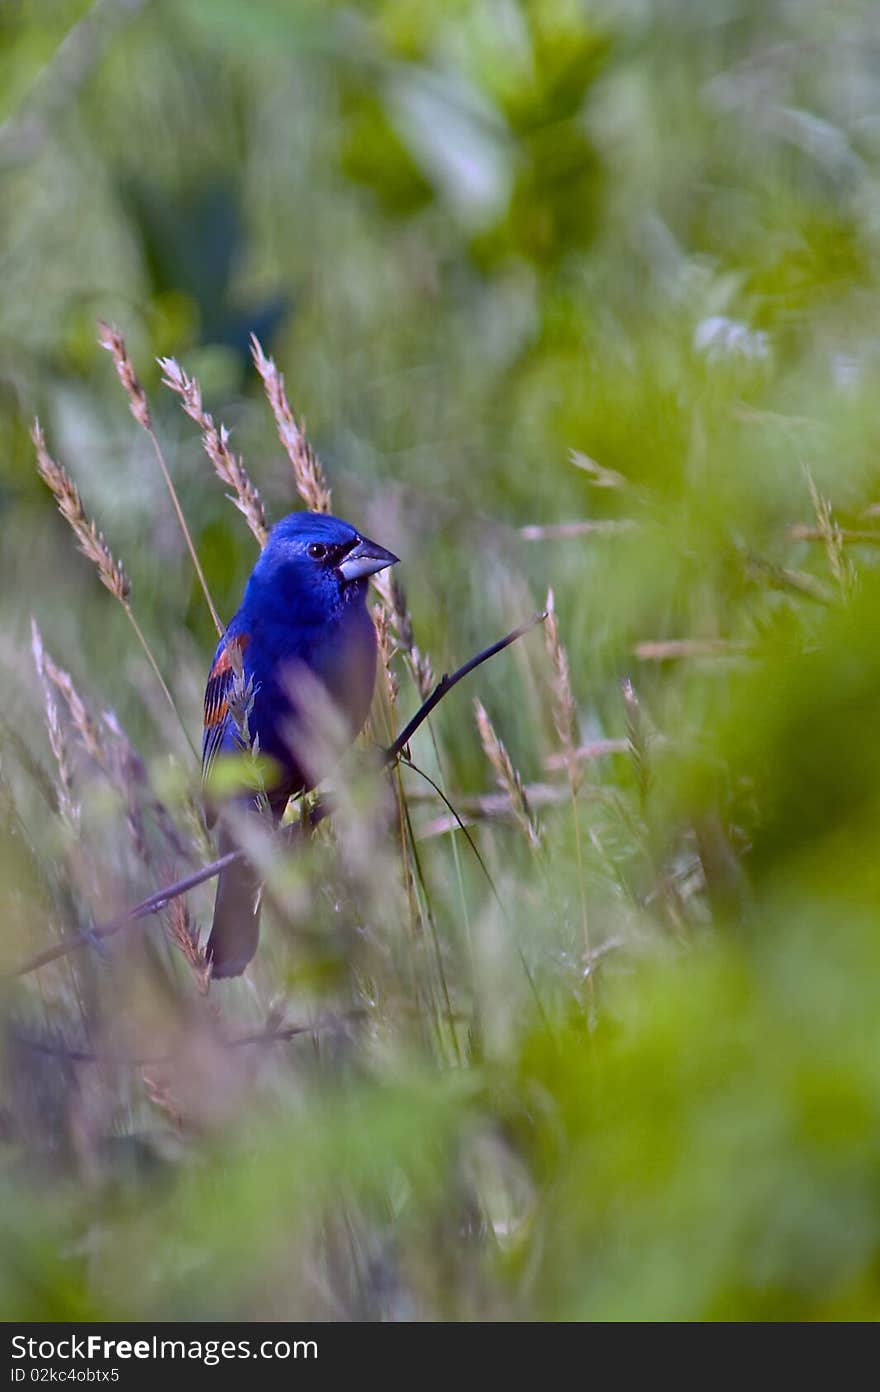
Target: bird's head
(314, 560)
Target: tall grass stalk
(508, 777)
(308, 473)
(111, 339)
(92, 544)
(393, 618)
(565, 721)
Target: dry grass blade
(59, 1048)
(128, 769)
(599, 475)
(228, 466)
(186, 935)
(638, 737)
(85, 726)
(799, 531)
(675, 649)
(311, 482)
(562, 531)
(111, 339)
(509, 780)
(89, 540)
(564, 708)
(393, 599)
(381, 623)
(565, 719)
(488, 807)
(92, 544)
(784, 578)
(90, 737)
(587, 753)
(108, 746)
(161, 898)
(839, 564)
(66, 802)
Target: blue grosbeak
(304, 607)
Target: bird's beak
(365, 558)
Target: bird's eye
(318, 551)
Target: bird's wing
(218, 720)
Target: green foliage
(522, 263)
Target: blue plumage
(304, 607)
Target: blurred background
(570, 295)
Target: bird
(303, 613)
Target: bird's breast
(300, 673)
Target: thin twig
(458, 822)
(144, 909)
(446, 683)
(78, 1054)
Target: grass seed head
(228, 466)
(111, 339)
(394, 601)
(67, 805)
(89, 540)
(564, 707)
(309, 477)
(509, 779)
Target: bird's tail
(235, 931)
